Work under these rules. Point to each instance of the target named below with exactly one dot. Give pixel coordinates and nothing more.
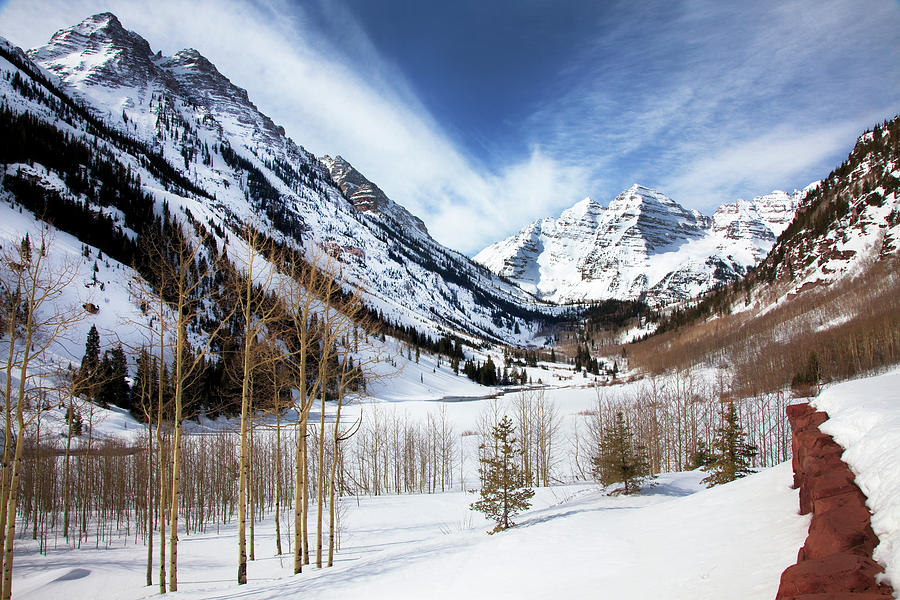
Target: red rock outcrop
(836, 562)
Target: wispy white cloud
(732, 99)
(754, 163)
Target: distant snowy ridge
(644, 245)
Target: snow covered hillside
(732, 541)
(847, 224)
(194, 140)
(644, 245)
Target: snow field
(676, 540)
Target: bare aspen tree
(36, 286)
(13, 284)
(187, 283)
(69, 391)
(145, 405)
(154, 302)
(328, 334)
(537, 420)
(184, 293)
(302, 292)
(350, 376)
(274, 370)
(160, 447)
(276, 373)
(258, 280)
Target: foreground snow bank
(864, 418)
(675, 541)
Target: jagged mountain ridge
(644, 245)
(244, 169)
(98, 59)
(368, 197)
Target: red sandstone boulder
(834, 478)
(854, 498)
(797, 411)
(835, 562)
(843, 572)
(843, 529)
(802, 416)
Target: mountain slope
(643, 246)
(228, 164)
(823, 305)
(847, 224)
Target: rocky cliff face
(644, 245)
(98, 51)
(368, 197)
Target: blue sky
(483, 116)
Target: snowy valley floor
(676, 540)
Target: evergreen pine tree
(806, 382)
(74, 421)
(113, 386)
(731, 455)
(503, 491)
(700, 457)
(87, 382)
(145, 385)
(620, 459)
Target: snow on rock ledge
(864, 418)
(836, 561)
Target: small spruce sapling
(503, 492)
(732, 455)
(620, 459)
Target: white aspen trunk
(278, 487)
(150, 524)
(320, 471)
(66, 473)
(13, 497)
(180, 344)
(244, 462)
(331, 477)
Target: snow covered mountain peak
(96, 50)
(756, 223)
(586, 208)
(199, 146)
(114, 69)
(102, 26)
(641, 215)
(644, 245)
